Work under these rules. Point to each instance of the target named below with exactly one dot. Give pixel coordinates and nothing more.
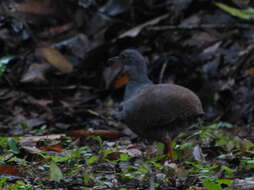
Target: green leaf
(62, 158)
(250, 163)
(225, 125)
(98, 139)
(210, 185)
(246, 145)
(3, 181)
(227, 169)
(108, 184)
(12, 144)
(196, 165)
(88, 179)
(160, 147)
(92, 159)
(124, 157)
(19, 161)
(143, 170)
(184, 146)
(243, 14)
(225, 181)
(3, 62)
(55, 172)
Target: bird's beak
(114, 59)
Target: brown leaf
(82, 134)
(57, 30)
(42, 103)
(55, 58)
(250, 70)
(9, 170)
(34, 139)
(106, 134)
(55, 148)
(29, 143)
(37, 7)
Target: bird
(157, 112)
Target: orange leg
(169, 149)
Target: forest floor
(57, 93)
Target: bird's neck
(135, 85)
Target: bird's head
(133, 63)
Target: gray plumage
(155, 111)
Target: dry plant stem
(164, 66)
(169, 149)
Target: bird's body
(159, 112)
(155, 111)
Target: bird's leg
(169, 149)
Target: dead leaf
(37, 7)
(9, 170)
(33, 139)
(108, 134)
(29, 143)
(243, 184)
(56, 30)
(78, 45)
(198, 154)
(30, 123)
(35, 73)
(42, 103)
(56, 148)
(136, 30)
(105, 134)
(250, 70)
(133, 152)
(55, 58)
